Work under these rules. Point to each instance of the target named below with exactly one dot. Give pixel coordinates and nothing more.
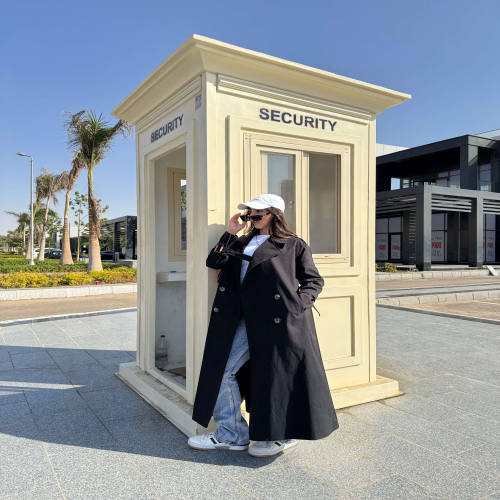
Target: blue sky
(60, 55)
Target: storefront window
(183, 201)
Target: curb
(415, 300)
(65, 291)
(40, 319)
(381, 276)
(445, 315)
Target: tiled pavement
(70, 429)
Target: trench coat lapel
(272, 247)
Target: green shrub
(46, 266)
(386, 267)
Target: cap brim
(252, 204)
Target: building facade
(440, 203)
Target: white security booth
(216, 125)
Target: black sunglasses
(246, 217)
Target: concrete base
(170, 404)
(381, 388)
(178, 411)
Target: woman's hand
(235, 226)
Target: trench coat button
(216, 309)
(221, 288)
(277, 296)
(277, 320)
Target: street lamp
(32, 262)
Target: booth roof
(199, 54)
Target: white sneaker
(210, 442)
(270, 448)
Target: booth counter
(216, 125)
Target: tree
(48, 186)
(23, 221)
(80, 208)
(69, 181)
(91, 137)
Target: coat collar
(270, 248)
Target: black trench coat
(284, 383)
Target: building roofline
(437, 147)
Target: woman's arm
(310, 281)
(217, 258)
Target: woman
(261, 343)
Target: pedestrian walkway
(437, 290)
(21, 309)
(69, 429)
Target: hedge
(46, 266)
(32, 280)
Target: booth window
(308, 176)
(177, 205)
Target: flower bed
(46, 266)
(35, 280)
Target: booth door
(315, 180)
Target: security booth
(217, 125)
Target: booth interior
(170, 250)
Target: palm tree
(48, 186)
(68, 182)
(91, 137)
(23, 221)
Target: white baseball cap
(264, 201)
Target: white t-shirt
(253, 244)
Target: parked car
(50, 253)
(110, 255)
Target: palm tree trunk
(66, 257)
(41, 255)
(95, 263)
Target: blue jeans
(233, 428)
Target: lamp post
(32, 262)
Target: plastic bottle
(161, 354)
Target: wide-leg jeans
(233, 428)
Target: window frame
(174, 178)
(257, 143)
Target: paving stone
(54, 400)
(91, 474)
(111, 404)
(36, 359)
(393, 487)
(76, 428)
(337, 465)
(429, 469)
(24, 347)
(414, 429)
(49, 493)
(479, 427)
(45, 327)
(25, 466)
(12, 412)
(354, 431)
(173, 480)
(294, 482)
(484, 458)
(421, 408)
(152, 437)
(93, 378)
(6, 366)
(115, 362)
(483, 406)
